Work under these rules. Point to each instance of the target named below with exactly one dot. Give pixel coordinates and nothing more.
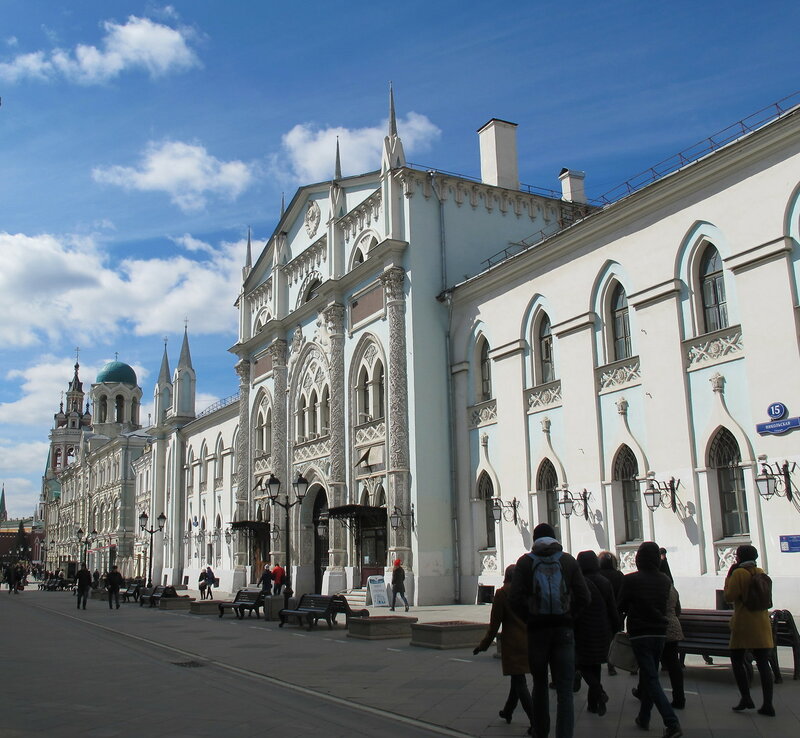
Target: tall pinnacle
(163, 375)
(337, 171)
(185, 360)
(283, 204)
(3, 512)
(248, 259)
(392, 117)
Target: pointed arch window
(312, 414)
(363, 402)
(626, 472)
(119, 409)
(103, 409)
(712, 285)
(547, 484)
(547, 371)
(313, 290)
(301, 418)
(620, 324)
(485, 369)
(486, 495)
(725, 457)
(325, 411)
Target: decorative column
(334, 579)
(398, 477)
(243, 476)
(278, 350)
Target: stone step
(356, 597)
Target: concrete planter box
(274, 604)
(449, 634)
(175, 603)
(381, 626)
(204, 607)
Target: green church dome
(117, 372)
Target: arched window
(119, 409)
(301, 418)
(363, 397)
(626, 471)
(358, 257)
(620, 324)
(379, 380)
(715, 307)
(134, 411)
(102, 411)
(312, 413)
(725, 457)
(547, 484)
(485, 367)
(486, 494)
(325, 411)
(312, 291)
(547, 372)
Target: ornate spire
(337, 170)
(283, 204)
(248, 259)
(392, 117)
(185, 360)
(164, 374)
(3, 511)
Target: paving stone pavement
(454, 690)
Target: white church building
(429, 365)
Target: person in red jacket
(278, 574)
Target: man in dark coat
(551, 640)
(643, 601)
(113, 582)
(83, 583)
(593, 630)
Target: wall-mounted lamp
(507, 510)
(396, 517)
(276, 535)
(569, 503)
(661, 494)
(775, 479)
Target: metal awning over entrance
(256, 525)
(363, 516)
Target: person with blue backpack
(547, 592)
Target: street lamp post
(300, 486)
(150, 531)
(85, 543)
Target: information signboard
(790, 544)
(377, 591)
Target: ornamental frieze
(362, 216)
(308, 450)
(714, 350)
(371, 433)
(620, 375)
(544, 397)
(483, 414)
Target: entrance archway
(321, 540)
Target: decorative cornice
(483, 414)
(543, 397)
(714, 348)
(307, 261)
(619, 374)
(361, 216)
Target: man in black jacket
(551, 639)
(83, 583)
(643, 602)
(113, 582)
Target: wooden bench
(707, 633)
(151, 595)
(342, 607)
(132, 591)
(312, 608)
(246, 599)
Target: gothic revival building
(429, 365)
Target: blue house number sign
(778, 422)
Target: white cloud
(187, 172)
(139, 43)
(310, 150)
(12, 41)
(193, 244)
(51, 286)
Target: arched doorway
(321, 542)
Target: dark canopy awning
(362, 515)
(249, 525)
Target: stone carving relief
(620, 375)
(483, 414)
(539, 399)
(362, 216)
(489, 564)
(297, 342)
(715, 349)
(312, 218)
(726, 555)
(627, 558)
(372, 433)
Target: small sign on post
(790, 544)
(377, 591)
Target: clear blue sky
(138, 141)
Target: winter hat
(397, 562)
(746, 552)
(587, 560)
(543, 530)
(648, 557)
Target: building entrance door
(373, 552)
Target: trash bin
(485, 594)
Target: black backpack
(759, 593)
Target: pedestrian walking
(266, 580)
(643, 602)
(670, 657)
(514, 649)
(547, 592)
(609, 568)
(202, 584)
(113, 584)
(278, 575)
(399, 583)
(594, 628)
(83, 583)
(96, 579)
(749, 589)
(210, 583)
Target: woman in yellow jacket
(514, 648)
(750, 631)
